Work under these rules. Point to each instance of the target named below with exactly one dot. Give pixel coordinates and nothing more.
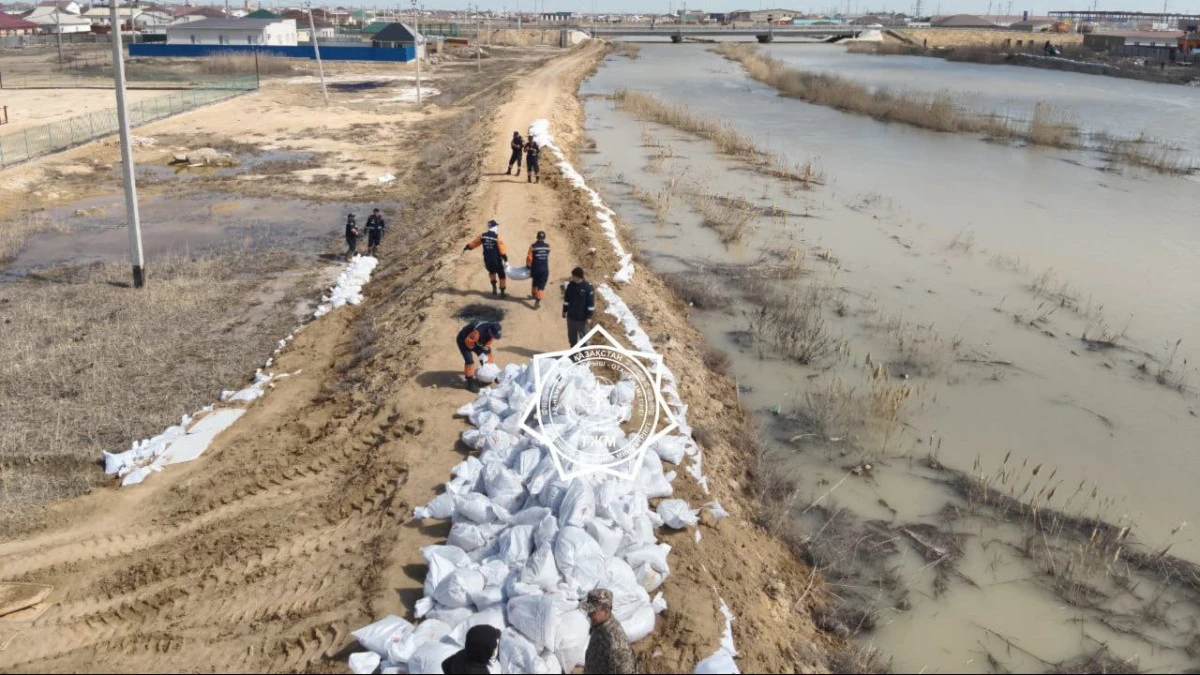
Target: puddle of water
(989, 368)
(184, 225)
(247, 163)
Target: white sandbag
(578, 504)
(467, 536)
(571, 639)
(470, 469)
(648, 577)
(503, 486)
(653, 555)
(492, 616)
(378, 636)
(485, 419)
(552, 495)
(517, 273)
(546, 532)
(579, 558)
(640, 624)
(623, 393)
(659, 604)
(650, 479)
(715, 510)
(609, 495)
(487, 597)
(475, 508)
(514, 545)
(451, 616)
(428, 658)
(426, 631)
(535, 618)
(672, 448)
(529, 516)
(606, 535)
(541, 570)
(677, 515)
(526, 462)
(456, 589)
(720, 663)
(518, 655)
(422, 606)
(440, 507)
(488, 373)
(364, 663)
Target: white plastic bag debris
(659, 604)
(364, 663)
(379, 636)
(428, 658)
(677, 515)
(714, 509)
(488, 373)
(517, 273)
(386, 178)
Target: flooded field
(986, 357)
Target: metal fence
(23, 144)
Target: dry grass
(1148, 153)
(244, 64)
(730, 215)
(627, 49)
(13, 233)
(90, 365)
(727, 139)
(791, 324)
(699, 290)
(936, 112)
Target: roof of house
(261, 14)
(962, 21)
(49, 16)
(398, 32)
(225, 24)
(209, 12)
(10, 22)
(374, 27)
(1143, 34)
(301, 18)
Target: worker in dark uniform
(495, 255)
(517, 145)
(532, 174)
(351, 236)
(375, 228)
(538, 261)
(579, 302)
(475, 339)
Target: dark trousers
(531, 164)
(352, 245)
(374, 237)
(576, 330)
(515, 159)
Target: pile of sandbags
(525, 546)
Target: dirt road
(295, 527)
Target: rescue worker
(495, 256)
(375, 228)
(475, 339)
(579, 302)
(538, 261)
(532, 173)
(481, 643)
(517, 144)
(608, 649)
(351, 236)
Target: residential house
(152, 18)
(102, 16)
(399, 35)
(1114, 41)
(262, 14)
(324, 29)
(187, 14)
(558, 17)
(68, 6)
(764, 16)
(11, 25)
(277, 32)
(53, 20)
(1033, 25)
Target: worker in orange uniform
(495, 255)
(475, 339)
(538, 261)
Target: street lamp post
(136, 255)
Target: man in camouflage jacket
(608, 648)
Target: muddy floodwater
(1026, 317)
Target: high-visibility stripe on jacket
(538, 258)
(494, 250)
(579, 301)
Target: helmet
(541, 235)
(493, 224)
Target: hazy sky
(930, 6)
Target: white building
(53, 20)
(279, 32)
(151, 18)
(102, 16)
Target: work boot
(503, 292)
(528, 178)
(537, 303)
(518, 172)
(509, 172)
(472, 385)
(493, 288)
(538, 179)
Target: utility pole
(478, 43)
(136, 256)
(312, 32)
(58, 29)
(417, 49)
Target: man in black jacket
(538, 261)
(517, 144)
(532, 171)
(375, 227)
(351, 237)
(579, 302)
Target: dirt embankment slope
(296, 526)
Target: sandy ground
(295, 527)
(31, 107)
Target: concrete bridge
(679, 33)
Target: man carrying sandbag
(475, 339)
(495, 255)
(608, 649)
(538, 262)
(579, 302)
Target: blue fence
(330, 53)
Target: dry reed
(245, 64)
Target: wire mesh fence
(18, 146)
